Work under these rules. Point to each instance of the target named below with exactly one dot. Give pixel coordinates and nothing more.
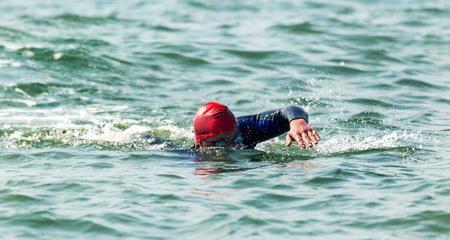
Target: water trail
(85, 127)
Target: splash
(67, 128)
(106, 136)
(347, 143)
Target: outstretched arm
(261, 127)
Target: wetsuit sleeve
(266, 125)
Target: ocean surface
(80, 81)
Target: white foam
(27, 53)
(110, 134)
(346, 143)
(85, 126)
(12, 47)
(343, 143)
(9, 63)
(46, 117)
(175, 131)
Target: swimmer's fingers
(307, 140)
(290, 137)
(314, 138)
(298, 138)
(288, 140)
(316, 134)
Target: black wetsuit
(266, 125)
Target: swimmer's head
(214, 125)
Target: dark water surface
(79, 80)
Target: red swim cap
(211, 120)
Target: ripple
(117, 59)
(252, 221)
(47, 220)
(14, 157)
(321, 180)
(160, 27)
(170, 176)
(165, 197)
(370, 39)
(382, 86)
(178, 57)
(246, 183)
(13, 34)
(120, 218)
(414, 23)
(279, 198)
(297, 28)
(20, 199)
(64, 186)
(243, 102)
(217, 218)
(346, 70)
(85, 42)
(429, 9)
(101, 165)
(80, 19)
(372, 115)
(442, 100)
(378, 55)
(416, 84)
(366, 118)
(221, 82)
(430, 221)
(372, 102)
(253, 55)
(73, 59)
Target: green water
(79, 80)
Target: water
(79, 80)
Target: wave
(414, 83)
(74, 55)
(177, 57)
(372, 102)
(256, 55)
(13, 34)
(74, 20)
(346, 144)
(297, 28)
(60, 128)
(49, 220)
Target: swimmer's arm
(263, 126)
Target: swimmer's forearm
(294, 112)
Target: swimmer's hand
(302, 133)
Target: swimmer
(216, 126)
